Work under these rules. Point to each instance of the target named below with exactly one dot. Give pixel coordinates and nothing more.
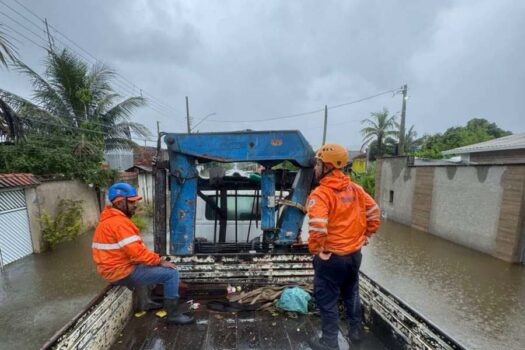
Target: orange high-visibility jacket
(341, 215)
(117, 246)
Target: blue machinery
(268, 148)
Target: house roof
(147, 169)
(356, 154)
(516, 141)
(18, 180)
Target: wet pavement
(477, 299)
(40, 293)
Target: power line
(122, 82)
(309, 112)
(78, 128)
(151, 96)
(22, 35)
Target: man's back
(342, 214)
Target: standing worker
(342, 216)
(123, 259)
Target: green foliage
(367, 180)
(145, 208)
(66, 225)
(7, 50)
(61, 156)
(381, 128)
(140, 221)
(74, 116)
(477, 130)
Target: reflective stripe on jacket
(117, 246)
(341, 215)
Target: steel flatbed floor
(220, 330)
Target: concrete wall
(466, 205)
(33, 212)
(395, 176)
(481, 207)
(47, 195)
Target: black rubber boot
(355, 334)
(142, 300)
(317, 343)
(175, 315)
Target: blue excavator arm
(267, 148)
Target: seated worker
(123, 259)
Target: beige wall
(401, 180)
(47, 195)
(481, 207)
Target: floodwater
(477, 299)
(40, 293)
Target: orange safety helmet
(334, 154)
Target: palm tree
(7, 50)
(76, 98)
(380, 127)
(410, 140)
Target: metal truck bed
(108, 323)
(241, 330)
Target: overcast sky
(249, 60)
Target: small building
(504, 150)
(358, 160)
(477, 200)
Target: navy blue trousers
(334, 278)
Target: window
(246, 208)
(391, 199)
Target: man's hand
(325, 256)
(168, 264)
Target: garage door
(15, 235)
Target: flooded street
(40, 293)
(477, 299)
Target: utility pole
(188, 122)
(401, 146)
(325, 122)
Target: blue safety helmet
(123, 190)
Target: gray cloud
(250, 60)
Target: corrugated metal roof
(17, 180)
(516, 141)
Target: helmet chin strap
(128, 214)
(323, 173)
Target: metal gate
(15, 234)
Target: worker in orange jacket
(122, 258)
(341, 218)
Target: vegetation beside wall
(65, 226)
(367, 180)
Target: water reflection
(478, 299)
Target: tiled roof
(17, 180)
(516, 141)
